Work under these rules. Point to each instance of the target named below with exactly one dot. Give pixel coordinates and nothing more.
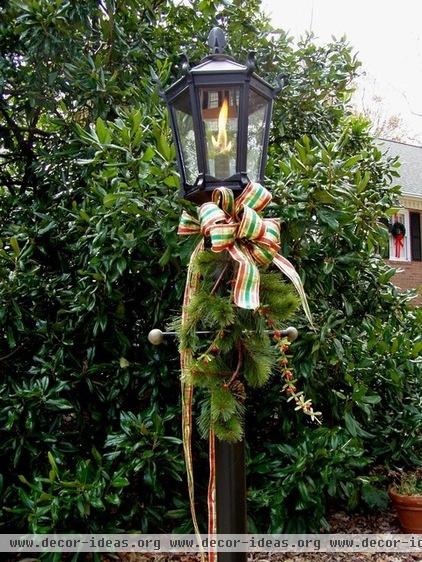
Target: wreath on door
(398, 232)
(398, 229)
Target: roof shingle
(411, 165)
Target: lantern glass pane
(220, 116)
(256, 131)
(186, 136)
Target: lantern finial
(216, 40)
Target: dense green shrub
(90, 261)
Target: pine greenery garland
(239, 352)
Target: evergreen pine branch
(230, 430)
(277, 297)
(208, 262)
(228, 338)
(224, 405)
(204, 419)
(214, 362)
(259, 359)
(186, 334)
(211, 311)
(206, 372)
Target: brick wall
(410, 277)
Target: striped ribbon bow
(235, 226)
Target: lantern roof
(218, 63)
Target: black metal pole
(231, 494)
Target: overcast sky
(387, 34)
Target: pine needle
(231, 430)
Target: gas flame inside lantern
(220, 144)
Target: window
(415, 236)
(212, 100)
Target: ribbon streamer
(235, 226)
(398, 244)
(192, 284)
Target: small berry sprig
(289, 387)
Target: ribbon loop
(251, 226)
(254, 196)
(209, 215)
(222, 236)
(188, 225)
(224, 197)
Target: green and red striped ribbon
(233, 225)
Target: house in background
(405, 243)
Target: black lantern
(220, 113)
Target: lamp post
(220, 114)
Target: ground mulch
(340, 522)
